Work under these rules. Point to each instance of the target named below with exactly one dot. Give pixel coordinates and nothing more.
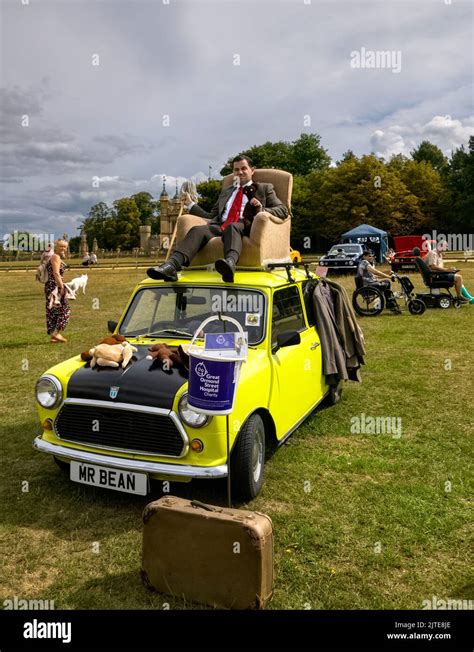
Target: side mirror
(287, 338)
(112, 325)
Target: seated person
(435, 262)
(230, 218)
(86, 261)
(370, 275)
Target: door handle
(314, 346)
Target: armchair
(269, 239)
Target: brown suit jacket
(265, 194)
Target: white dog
(76, 284)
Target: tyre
(248, 459)
(416, 307)
(444, 302)
(456, 303)
(368, 301)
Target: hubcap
(257, 455)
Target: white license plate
(103, 476)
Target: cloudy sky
(100, 98)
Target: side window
(308, 288)
(287, 312)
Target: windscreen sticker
(252, 319)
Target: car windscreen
(346, 249)
(177, 312)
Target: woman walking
(57, 306)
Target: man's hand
(258, 205)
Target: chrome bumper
(176, 470)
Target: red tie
(234, 211)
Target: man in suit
(230, 218)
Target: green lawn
(361, 521)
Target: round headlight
(189, 416)
(49, 391)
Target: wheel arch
(271, 442)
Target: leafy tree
(425, 182)
(459, 179)
(75, 244)
(429, 153)
(147, 206)
(208, 193)
(359, 191)
(125, 224)
(301, 156)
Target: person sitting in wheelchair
(368, 274)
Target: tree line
(404, 195)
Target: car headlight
(49, 391)
(189, 416)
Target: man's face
(243, 171)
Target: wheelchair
(370, 300)
(436, 282)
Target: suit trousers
(198, 236)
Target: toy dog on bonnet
(113, 351)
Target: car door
(297, 383)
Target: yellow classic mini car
(117, 428)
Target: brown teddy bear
(169, 356)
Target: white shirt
(230, 201)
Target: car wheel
(444, 302)
(248, 459)
(416, 307)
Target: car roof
(252, 278)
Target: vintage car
(342, 258)
(116, 428)
(403, 258)
(295, 256)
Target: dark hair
(243, 157)
(368, 252)
(416, 251)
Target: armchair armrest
(261, 222)
(186, 222)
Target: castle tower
(145, 234)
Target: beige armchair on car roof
(269, 239)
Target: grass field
(362, 521)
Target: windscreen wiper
(172, 331)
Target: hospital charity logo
(201, 369)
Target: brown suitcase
(218, 556)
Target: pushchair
(370, 300)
